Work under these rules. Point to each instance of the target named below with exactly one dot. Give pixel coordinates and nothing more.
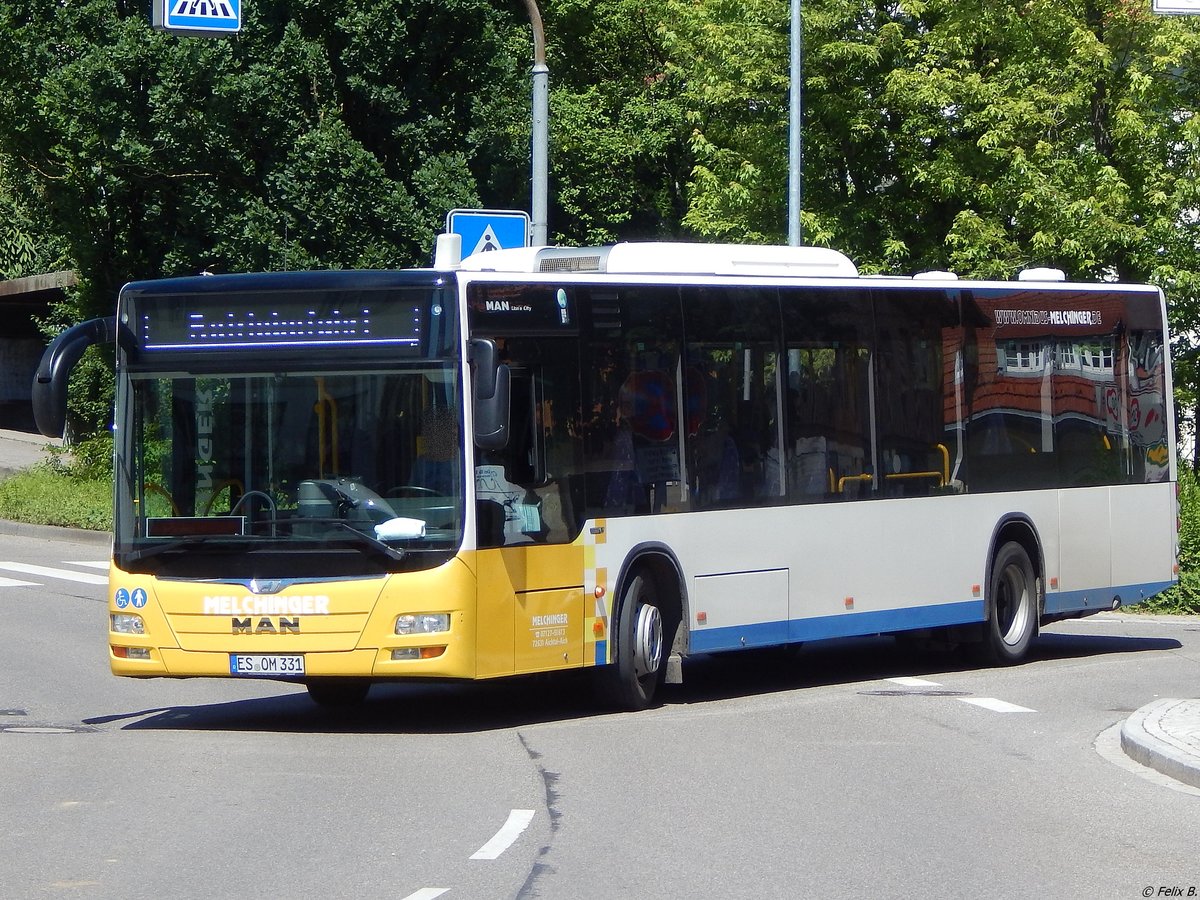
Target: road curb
(54, 533)
(1165, 736)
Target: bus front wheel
(1013, 606)
(632, 680)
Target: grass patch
(48, 494)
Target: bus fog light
(423, 623)
(418, 653)
(123, 623)
(131, 652)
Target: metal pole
(795, 119)
(540, 166)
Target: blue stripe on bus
(1098, 599)
(601, 653)
(765, 634)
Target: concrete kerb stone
(55, 533)
(1165, 736)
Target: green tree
(25, 246)
(619, 155)
(983, 135)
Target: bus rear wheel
(338, 693)
(1013, 606)
(632, 681)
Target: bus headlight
(122, 623)
(422, 623)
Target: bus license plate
(272, 665)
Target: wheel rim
(1012, 604)
(648, 641)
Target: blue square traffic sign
(206, 17)
(489, 229)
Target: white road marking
(905, 681)
(47, 572)
(996, 705)
(426, 894)
(101, 564)
(12, 582)
(518, 821)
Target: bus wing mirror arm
(54, 371)
(492, 395)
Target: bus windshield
(353, 472)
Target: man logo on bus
(266, 625)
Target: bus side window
(828, 338)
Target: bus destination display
(185, 323)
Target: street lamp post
(795, 117)
(539, 139)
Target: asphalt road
(856, 768)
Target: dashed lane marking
(426, 894)
(101, 564)
(905, 681)
(518, 821)
(1000, 706)
(12, 582)
(47, 572)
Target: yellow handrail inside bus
(151, 488)
(841, 485)
(938, 475)
(945, 463)
(220, 486)
(326, 410)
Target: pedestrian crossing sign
(489, 229)
(198, 17)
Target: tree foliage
(619, 157)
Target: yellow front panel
(549, 630)
(516, 584)
(341, 627)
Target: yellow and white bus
(551, 458)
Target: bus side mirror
(493, 393)
(54, 371)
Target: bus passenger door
(530, 571)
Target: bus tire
(1012, 606)
(338, 693)
(633, 679)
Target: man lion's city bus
(615, 458)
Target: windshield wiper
(360, 537)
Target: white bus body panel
(790, 574)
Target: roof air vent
(1041, 274)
